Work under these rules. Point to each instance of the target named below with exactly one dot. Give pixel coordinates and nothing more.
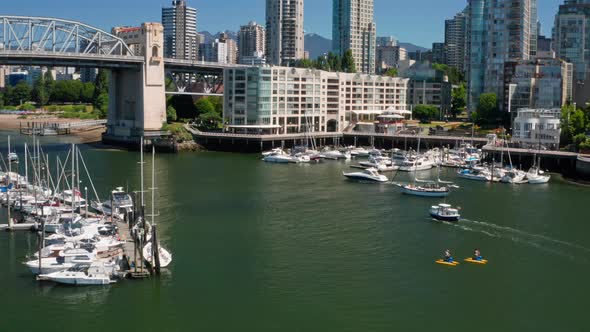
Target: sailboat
(164, 256)
(536, 176)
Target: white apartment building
(180, 31)
(284, 31)
(283, 100)
(534, 128)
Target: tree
(455, 76)
(101, 86)
(204, 105)
(458, 100)
(49, 83)
(425, 113)
(391, 72)
(67, 91)
(334, 62)
(87, 92)
(101, 106)
(487, 108)
(21, 93)
(2, 103)
(170, 114)
(210, 120)
(348, 62)
(40, 94)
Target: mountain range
(315, 44)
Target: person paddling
(448, 257)
(477, 255)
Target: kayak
(440, 261)
(475, 261)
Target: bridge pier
(137, 100)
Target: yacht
(536, 176)
(370, 174)
(444, 212)
(280, 158)
(97, 273)
(165, 255)
(513, 176)
(431, 189)
(336, 155)
(65, 260)
(54, 224)
(273, 151)
(68, 198)
(13, 157)
(120, 200)
(417, 164)
(475, 174)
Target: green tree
(101, 85)
(2, 103)
(171, 114)
(67, 91)
(101, 106)
(49, 84)
(455, 76)
(210, 120)
(348, 62)
(487, 108)
(40, 94)
(21, 93)
(391, 72)
(334, 62)
(87, 92)
(204, 105)
(458, 100)
(425, 113)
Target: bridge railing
(70, 55)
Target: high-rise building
(231, 46)
(284, 31)
(386, 41)
(354, 29)
(498, 31)
(455, 40)
(438, 53)
(571, 42)
(251, 40)
(389, 57)
(180, 31)
(215, 51)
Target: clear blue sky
(417, 21)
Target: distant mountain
(209, 37)
(317, 45)
(413, 48)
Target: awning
(254, 127)
(367, 112)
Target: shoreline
(91, 136)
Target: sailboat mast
(8, 186)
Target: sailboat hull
(423, 193)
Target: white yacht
(68, 198)
(536, 176)
(513, 176)
(336, 155)
(165, 255)
(474, 174)
(64, 261)
(97, 273)
(273, 151)
(120, 200)
(417, 164)
(280, 158)
(370, 174)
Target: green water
(262, 247)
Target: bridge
(137, 92)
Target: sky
(417, 21)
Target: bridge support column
(137, 100)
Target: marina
(276, 237)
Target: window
(155, 52)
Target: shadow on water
(572, 251)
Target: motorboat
(536, 176)
(273, 151)
(359, 152)
(417, 164)
(445, 212)
(74, 200)
(13, 157)
(65, 260)
(165, 255)
(280, 158)
(370, 174)
(54, 225)
(513, 176)
(97, 273)
(120, 200)
(336, 155)
(474, 174)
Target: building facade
(428, 86)
(536, 128)
(284, 31)
(251, 40)
(231, 47)
(282, 100)
(455, 41)
(538, 84)
(215, 51)
(180, 31)
(354, 29)
(498, 31)
(439, 53)
(389, 57)
(571, 42)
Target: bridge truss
(23, 34)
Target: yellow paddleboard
(474, 261)
(440, 261)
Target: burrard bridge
(137, 103)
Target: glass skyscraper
(353, 28)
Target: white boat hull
(423, 193)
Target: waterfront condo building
(537, 84)
(571, 42)
(283, 100)
(353, 28)
(251, 40)
(180, 31)
(498, 31)
(284, 31)
(536, 128)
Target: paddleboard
(474, 261)
(442, 262)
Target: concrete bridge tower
(137, 99)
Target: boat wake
(541, 242)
